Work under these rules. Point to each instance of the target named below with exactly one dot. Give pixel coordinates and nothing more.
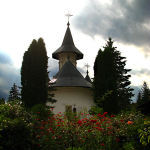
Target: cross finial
(68, 15)
(87, 66)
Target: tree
(14, 93)
(122, 77)
(2, 101)
(104, 81)
(139, 98)
(144, 94)
(110, 74)
(34, 75)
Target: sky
(93, 21)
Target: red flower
(99, 115)
(105, 113)
(37, 119)
(38, 112)
(47, 139)
(112, 115)
(130, 122)
(79, 122)
(121, 120)
(93, 121)
(102, 144)
(59, 136)
(103, 131)
(109, 127)
(117, 140)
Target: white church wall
(81, 97)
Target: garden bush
(16, 128)
(16, 135)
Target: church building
(73, 90)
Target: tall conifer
(122, 77)
(110, 74)
(104, 80)
(144, 94)
(34, 75)
(14, 93)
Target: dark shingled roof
(67, 46)
(68, 76)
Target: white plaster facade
(80, 96)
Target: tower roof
(67, 46)
(87, 78)
(68, 76)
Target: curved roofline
(67, 46)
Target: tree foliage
(34, 75)
(144, 94)
(14, 93)
(110, 74)
(104, 81)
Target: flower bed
(96, 132)
(128, 130)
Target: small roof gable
(67, 46)
(68, 75)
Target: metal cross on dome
(68, 15)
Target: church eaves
(67, 46)
(69, 76)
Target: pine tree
(110, 74)
(34, 75)
(122, 77)
(144, 94)
(139, 99)
(14, 93)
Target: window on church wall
(68, 108)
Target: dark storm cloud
(124, 21)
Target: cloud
(141, 72)
(9, 75)
(5, 58)
(124, 21)
(53, 67)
